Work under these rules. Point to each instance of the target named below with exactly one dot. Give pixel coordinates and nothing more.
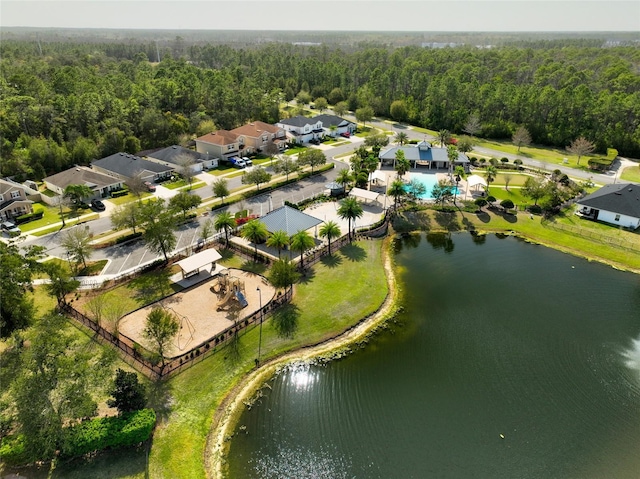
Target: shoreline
(227, 414)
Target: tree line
(69, 103)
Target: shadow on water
(332, 261)
(441, 241)
(478, 239)
(285, 320)
(354, 252)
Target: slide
(241, 299)
(226, 298)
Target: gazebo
(474, 181)
(289, 220)
(192, 265)
(335, 189)
(366, 195)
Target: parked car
(11, 229)
(314, 141)
(150, 186)
(98, 205)
(247, 161)
(346, 134)
(237, 162)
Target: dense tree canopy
(71, 102)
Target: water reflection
(301, 463)
(301, 376)
(632, 356)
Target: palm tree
(490, 175)
(452, 155)
(224, 221)
(302, 241)
(330, 230)
(459, 174)
(350, 209)
(443, 137)
(256, 232)
(77, 193)
(401, 164)
(401, 138)
(344, 177)
(279, 240)
(396, 189)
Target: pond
(508, 360)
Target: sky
(358, 15)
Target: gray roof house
(14, 200)
(617, 204)
(125, 166)
(175, 155)
(302, 129)
(100, 183)
(341, 125)
(422, 154)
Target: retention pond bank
(513, 360)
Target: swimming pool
(429, 180)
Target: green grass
(512, 194)
(221, 170)
(57, 227)
(181, 183)
(121, 200)
(179, 441)
(631, 173)
(295, 150)
(51, 216)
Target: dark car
(98, 205)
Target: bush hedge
(128, 237)
(119, 193)
(13, 451)
(109, 432)
(36, 215)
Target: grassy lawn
(295, 150)
(221, 170)
(179, 440)
(51, 216)
(631, 173)
(57, 227)
(512, 194)
(174, 185)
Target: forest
(67, 102)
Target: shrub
(507, 204)
(118, 194)
(105, 432)
(30, 217)
(128, 237)
(12, 450)
(535, 209)
(504, 160)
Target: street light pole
(261, 316)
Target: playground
(205, 309)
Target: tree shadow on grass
(354, 252)
(254, 267)
(306, 275)
(483, 216)
(285, 320)
(152, 287)
(509, 218)
(448, 220)
(160, 399)
(332, 261)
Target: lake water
(509, 361)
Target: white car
(247, 161)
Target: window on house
(265, 139)
(229, 147)
(617, 218)
(15, 194)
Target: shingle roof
(620, 198)
(298, 121)
(255, 129)
(220, 137)
(289, 219)
(423, 151)
(172, 154)
(128, 165)
(329, 120)
(81, 175)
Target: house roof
(81, 175)
(6, 204)
(220, 137)
(173, 154)
(128, 165)
(6, 186)
(289, 219)
(620, 198)
(255, 129)
(423, 151)
(330, 120)
(299, 121)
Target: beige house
(13, 200)
(101, 184)
(254, 137)
(221, 144)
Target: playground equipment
(232, 289)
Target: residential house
(221, 144)
(101, 184)
(254, 137)
(423, 154)
(175, 156)
(125, 166)
(13, 200)
(301, 129)
(616, 204)
(334, 125)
